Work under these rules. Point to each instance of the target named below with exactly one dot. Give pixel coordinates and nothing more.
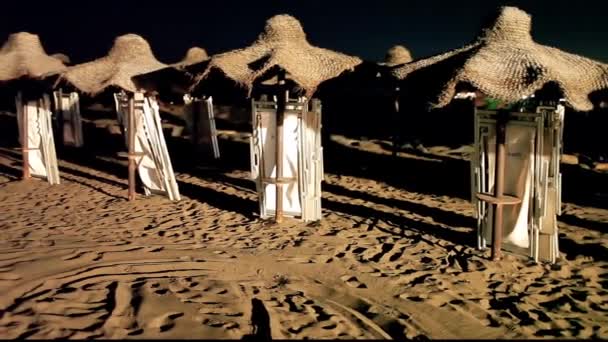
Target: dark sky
(84, 30)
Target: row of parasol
(503, 62)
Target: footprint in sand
(73, 255)
(352, 281)
(152, 285)
(164, 322)
(9, 276)
(393, 255)
(372, 271)
(177, 288)
(123, 315)
(46, 243)
(220, 311)
(324, 259)
(153, 249)
(223, 254)
(216, 323)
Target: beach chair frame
(201, 124)
(310, 156)
(42, 115)
(67, 109)
(548, 124)
(147, 114)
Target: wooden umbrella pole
(396, 126)
(282, 99)
(25, 139)
(499, 183)
(131, 156)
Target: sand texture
(393, 258)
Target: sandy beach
(394, 256)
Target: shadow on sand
(260, 322)
(440, 177)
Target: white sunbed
(41, 156)
(200, 121)
(154, 164)
(533, 150)
(67, 115)
(303, 157)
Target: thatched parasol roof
(507, 64)
(22, 56)
(62, 57)
(130, 55)
(282, 45)
(176, 78)
(194, 55)
(397, 55)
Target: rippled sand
(77, 260)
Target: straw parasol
(507, 64)
(282, 46)
(397, 55)
(22, 56)
(129, 56)
(62, 57)
(194, 55)
(174, 79)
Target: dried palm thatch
(175, 79)
(282, 46)
(22, 56)
(194, 55)
(397, 55)
(62, 57)
(130, 55)
(507, 64)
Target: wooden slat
(502, 200)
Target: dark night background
(84, 30)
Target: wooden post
(282, 99)
(498, 200)
(499, 183)
(131, 155)
(396, 126)
(25, 139)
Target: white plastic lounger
(200, 121)
(533, 150)
(303, 158)
(41, 156)
(69, 121)
(154, 165)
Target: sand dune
(79, 261)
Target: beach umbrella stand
(147, 151)
(67, 118)
(24, 63)
(283, 96)
(286, 153)
(138, 114)
(499, 199)
(295, 188)
(36, 137)
(24, 139)
(507, 65)
(518, 209)
(200, 122)
(131, 147)
(396, 112)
